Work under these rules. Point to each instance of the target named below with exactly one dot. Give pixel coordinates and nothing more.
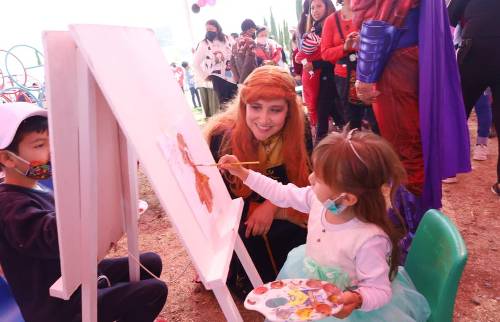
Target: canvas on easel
(119, 90)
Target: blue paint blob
(279, 301)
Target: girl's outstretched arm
(283, 196)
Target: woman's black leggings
(328, 105)
(479, 69)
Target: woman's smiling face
(266, 117)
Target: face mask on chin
(334, 206)
(37, 170)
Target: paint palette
(295, 300)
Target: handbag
(350, 61)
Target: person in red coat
(267, 51)
(178, 74)
(317, 76)
(310, 78)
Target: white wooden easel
(73, 113)
(89, 70)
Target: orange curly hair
(264, 83)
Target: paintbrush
(231, 163)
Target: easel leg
(88, 164)
(227, 304)
(246, 261)
(129, 188)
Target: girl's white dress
(354, 254)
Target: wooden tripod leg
(270, 254)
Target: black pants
(480, 68)
(194, 94)
(328, 106)
(124, 301)
(225, 90)
(354, 114)
(283, 236)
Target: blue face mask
(334, 206)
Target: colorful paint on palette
(295, 300)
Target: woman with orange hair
(265, 122)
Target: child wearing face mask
(29, 249)
(351, 241)
(267, 51)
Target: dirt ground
(469, 203)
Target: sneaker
(495, 189)
(142, 206)
(450, 180)
(103, 281)
(480, 152)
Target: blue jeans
(483, 112)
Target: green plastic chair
(435, 263)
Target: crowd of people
(341, 207)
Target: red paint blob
(331, 289)
(277, 284)
(314, 283)
(260, 290)
(324, 309)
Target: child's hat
(11, 116)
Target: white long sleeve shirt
(358, 248)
